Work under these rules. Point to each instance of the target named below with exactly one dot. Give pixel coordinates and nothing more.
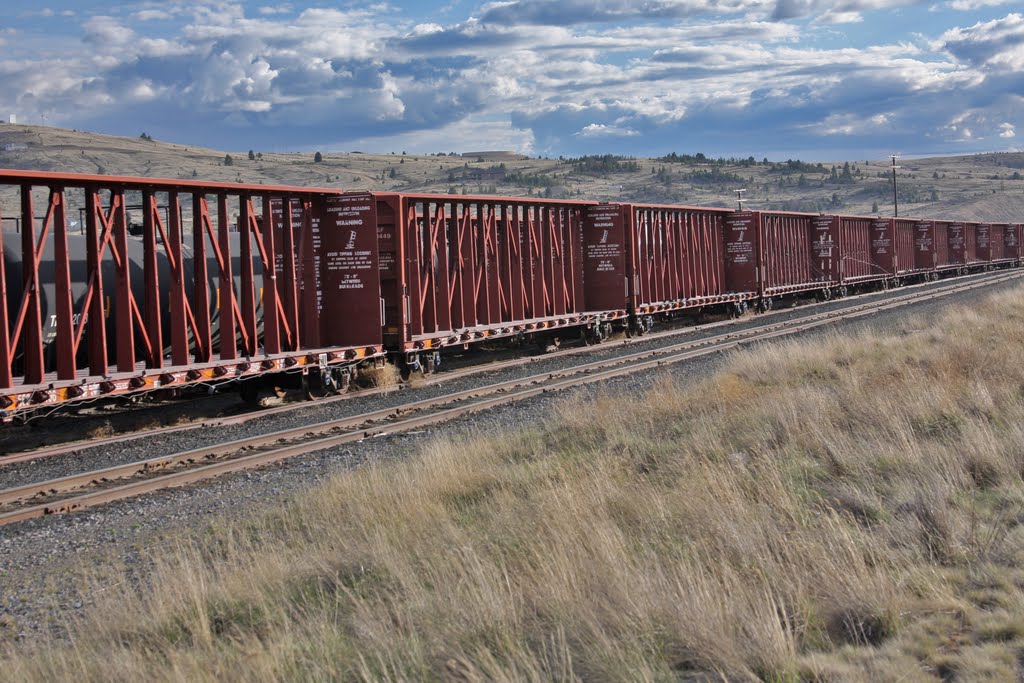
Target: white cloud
(614, 73)
(1007, 130)
(152, 15)
(972, 5)
(851, 124)
(597, 130)
(471, 133)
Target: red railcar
(892, 246)
(769, 254)
(675, 257)
(458, 269)
(189, 300)
(963, 244)
(1011, 242)
(842, 251)
(926, 255)
(992, 243)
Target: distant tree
(252, 155)
(392, 173)
(195, 173)
(935, 195)
(318, 157)
(228, 161)
(874, 208)
(146, 137)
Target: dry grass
(384, 376)
(847, 508)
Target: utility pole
(739, 199)
(895, 201)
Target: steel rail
(496, 394)
(448, 375)
(306, 431)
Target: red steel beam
(57, 216)
(43, 178)
(151, 282)
(271, 306)
(201, 281)
(6, 354)
(94, 298)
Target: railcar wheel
(766, 304)
(318, 383)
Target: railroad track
(90, 489)
(447, 375)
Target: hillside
(988, 187)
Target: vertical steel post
(32, 324)
(151, 281)
(228, 333)
(180, 355)
(200, 219)
(62, 279)
(97, 320)
(125, 299)
(288, 280)
(248, 293)
(6, 376)
(271, 314)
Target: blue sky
(809, 79)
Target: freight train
(231, 283)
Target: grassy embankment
(839, 509)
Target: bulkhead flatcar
(233, 282)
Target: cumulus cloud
(995, 45)
(971, 5)
(550, 76)
(600, 130)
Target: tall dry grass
(842, 508)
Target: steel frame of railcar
(143, 356)
(473, 268)
(675, 258)
(448, 270)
